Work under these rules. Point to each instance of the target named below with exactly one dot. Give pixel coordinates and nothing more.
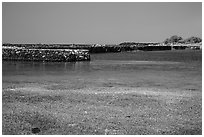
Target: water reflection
(20, 67)
(10, 67)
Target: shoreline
(96, 98)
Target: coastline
(161, 95)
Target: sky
(102, 23)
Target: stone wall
(155, 48)
(59, 55)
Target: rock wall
(59, 55)
(97, 48)
(155, 48)
(179, 47)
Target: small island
(81, 52)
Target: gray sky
(103, 23)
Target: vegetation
(193, 40)
(124, 46)
(177, 39)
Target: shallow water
(107, 70)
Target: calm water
(163, 69)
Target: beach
(127, 93)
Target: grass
(101, 113)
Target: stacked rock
(59, 55)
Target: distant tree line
(124, 46)
(177, 39)
(128, 43)
(134, 44)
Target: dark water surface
(165, 68)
